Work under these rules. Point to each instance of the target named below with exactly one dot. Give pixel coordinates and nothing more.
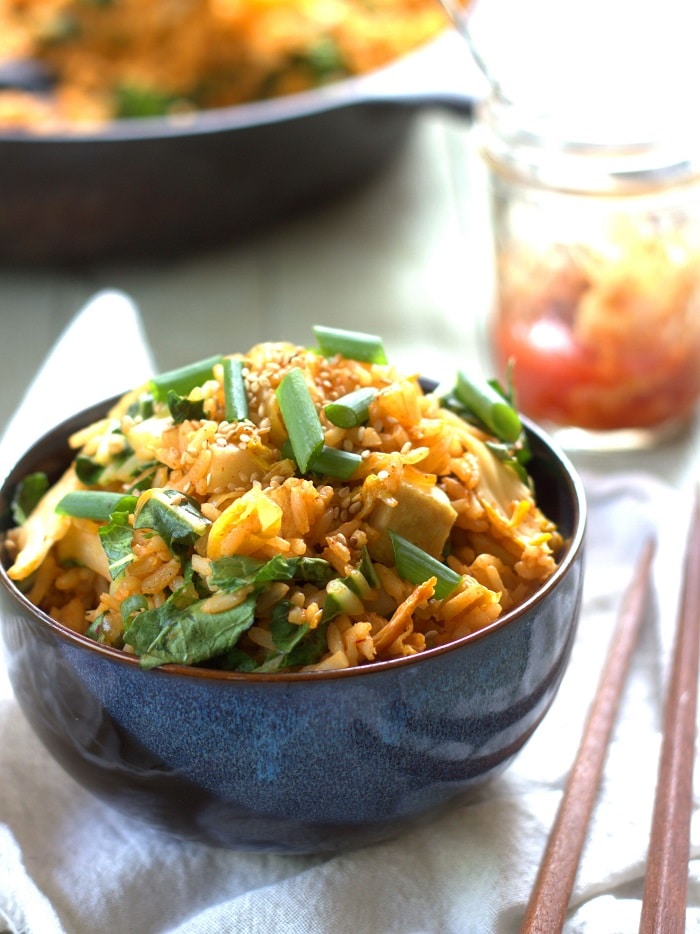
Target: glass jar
(597, 290)
(594, 175)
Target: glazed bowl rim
(574, 547)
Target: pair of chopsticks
(666, 881)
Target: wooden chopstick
(666, 882)
(546, 911)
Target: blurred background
(391, 241)
(259, 166)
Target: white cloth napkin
(70, 865)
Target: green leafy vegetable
(132, 605)
(325, 60)
(97, 631)
(99, 628)
(515, 457)
(87, 469)
(236, 571)
(235, 659)
(181, 408)
(296, 645)
(27, 494)
(180, 631)
(121, 465)
(132, 100)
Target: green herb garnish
(184, 379)
(235, 396)
(352, 409)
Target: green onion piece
(335, 463)
(417, 566)
(88, 470)
(97, 505)
(183, 380)
(490, 407)
(235, 397)
(358, 583)
(352, 409)
(143, 406)
(353, 345)
(300, 417)
(340, 599)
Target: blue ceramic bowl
(297, 762)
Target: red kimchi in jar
(602, 337)
(597, 281)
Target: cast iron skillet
(139, 188)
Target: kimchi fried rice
(92, 61)
(289, 508)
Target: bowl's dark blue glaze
(297, 762)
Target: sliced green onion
(143, 407)
(183, 380)
(335, 462)
(353, 345)
(235, 396)
(88, 470)
(352, 409)
(340, 599)
(417, 566)
(490, 407)
(300, 418)
(97, 505)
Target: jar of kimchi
(595, 202)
